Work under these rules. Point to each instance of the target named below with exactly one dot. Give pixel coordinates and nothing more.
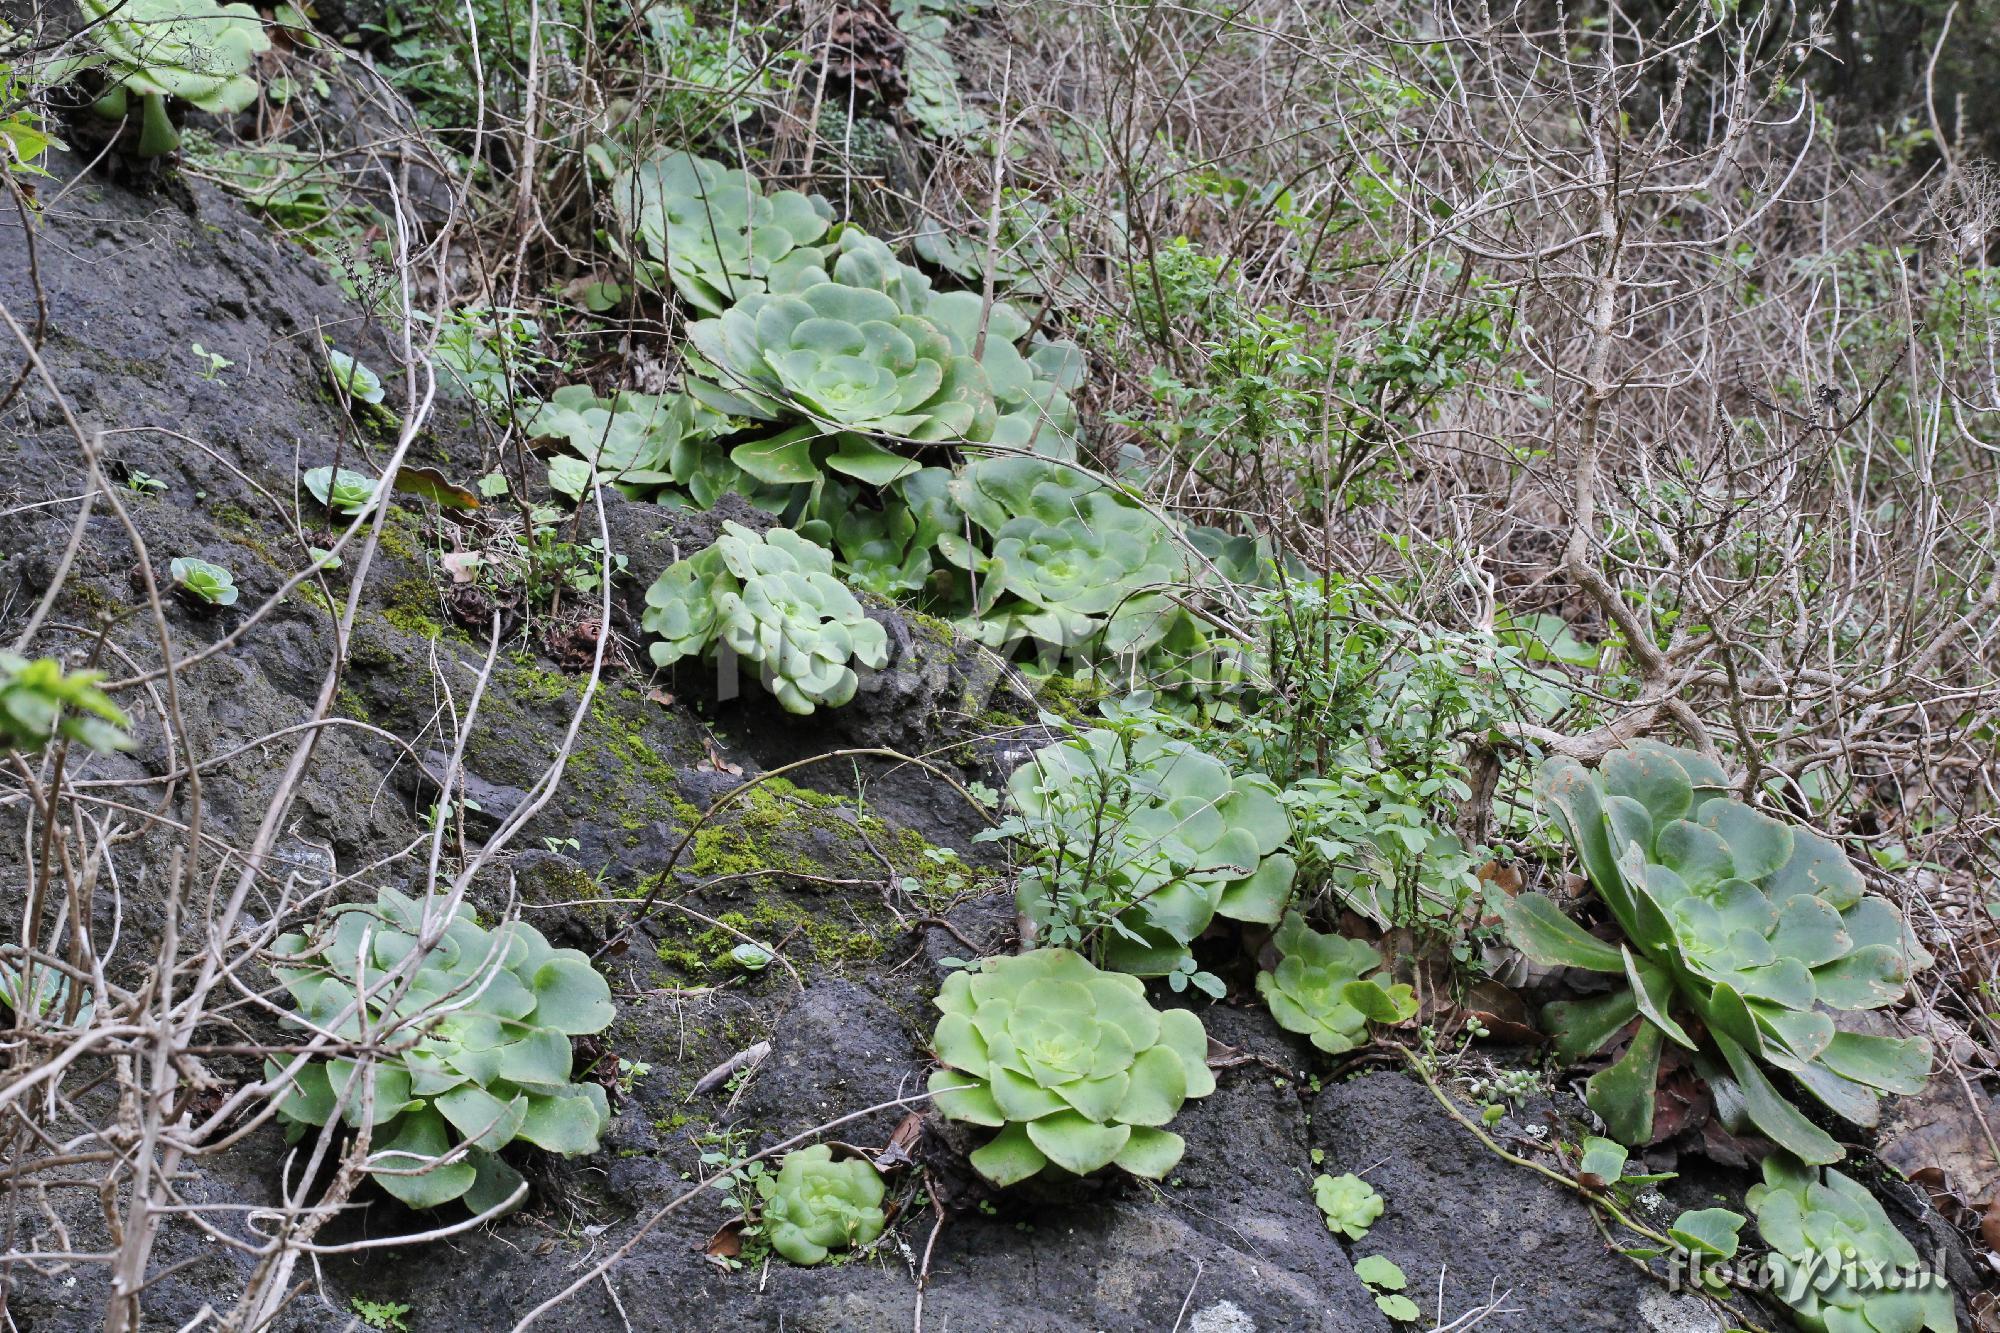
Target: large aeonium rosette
(1070, 1064)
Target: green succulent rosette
(194, 50)
(1030, 389)
(1840, 1264)
(1349, 1204)
(771, 598)
(1323, 989)
(1163, 828)
(882, 547)
(709, 229)
(1743, 938)
(1069, 1063)
(813, 1205)
(847, 359)
(483, 1061)
(1069, 558)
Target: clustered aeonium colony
(1750, 925)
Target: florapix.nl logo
(1791, 1277)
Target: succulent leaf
(1840, 1263)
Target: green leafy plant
(350, 494)
(477, 1036)
(1363, 725)
(1133, 841)
(1742, 936)
(773, 600)
(1070, 1064)
(1081, 557)
(1840, 1264)
(352, 380)
(642, 444)
(212, 363)
(1034, 254)
(1260, 386)
(1349, 1204)
(813, 1205)
(847, 359)
(1318, 990)
(386, 1315)
(194, 51)
(709, 71)
(40, 703)
(710, 230)
(485, 352)
(935, 101)
(1385, 1282)
(209, 584)
(24, 134)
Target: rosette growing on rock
(1070, 1064)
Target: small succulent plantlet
(1070, 1064)
(1385, 1282)
(349, 494)
(143, 483)
(194, 51)
(750, 957)
(813, 1205)
(1831, 1245)
(1349, 1204)
(40, 704)
(631, 1073)
(479, 1045)
(1744, 937)
(211, 364)
(1318, 988)
(202, 582)
(773, 599)
(351, 379)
